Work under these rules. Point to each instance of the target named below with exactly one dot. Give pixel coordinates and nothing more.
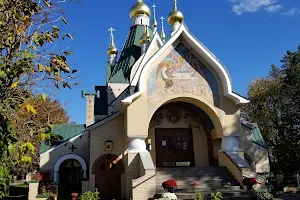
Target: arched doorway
(69, 170)
(108, 170)
(70, 178)
(182, 135)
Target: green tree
(275, 106)
(29, 61)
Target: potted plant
(48, 189)
(90, 195)
(199, 196)
(170, 187)
(249, 182)
(37, 177)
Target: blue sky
(246, 35)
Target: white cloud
(292, 12)
(243, 6)
(273, 8)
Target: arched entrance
(70, 178)
(182, 135)
(108, 170)
(69, 170)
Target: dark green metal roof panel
(257, 137)
(108, 71)
(64, 132)
(131, 52)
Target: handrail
(244, 172)
(148, 165)
(246, 165)
(143, 180)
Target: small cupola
(112, 50)
(140, 13)
(175, 18)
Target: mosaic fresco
(182, 72)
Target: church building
(168, 110)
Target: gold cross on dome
(162, 20)
(154, 8)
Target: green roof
(131, 52)
(257, 137)
(64, 133)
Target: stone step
(209, 179)
(197, 179)
(226, 194)
(203, 189)
(190, 181)
(193, 170)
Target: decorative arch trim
(105, 156)
(196, 102)
(202, 51)
(68, 157)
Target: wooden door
(174, 147)
(108, 179)
(70, 181)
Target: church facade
(167, 104)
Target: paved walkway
(287, 197)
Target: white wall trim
(137, 72)
(67, 157)
(202, 51)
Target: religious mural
(182, 72)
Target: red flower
(252, 181)
(38, 176)
(169, 183)
(249, 181)
(195, 184)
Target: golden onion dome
(112, 50)
(140, 8)
(175, 16)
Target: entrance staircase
(209, 179)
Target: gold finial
(112, 50)
(163, 35)
(175, 4)
(146, 36)
(140, 8)
(154, 15)
(175, 16)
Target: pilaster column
(90, 101)
(136, 145)
(230, 143)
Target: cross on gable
(72, 148)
